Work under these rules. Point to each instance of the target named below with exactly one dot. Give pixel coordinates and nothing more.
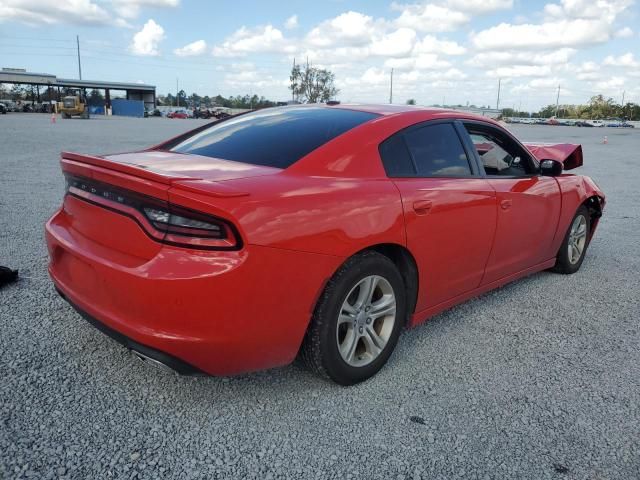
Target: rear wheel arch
(406, 264)
(404, 261)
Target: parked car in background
(178, 114)
(152, 113)
(315, 230)
(583, 123)
(3, 108)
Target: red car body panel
(569, 154)
(228, 312)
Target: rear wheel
(357, 321)
(65, 115)
(574, 247)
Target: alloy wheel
(577, 239)
(366, 321)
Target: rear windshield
(273, 137)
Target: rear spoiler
(118, 167)
(76, 163)
(569, 154)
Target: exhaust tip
(152, 361)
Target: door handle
(422, 207)
(506, 204)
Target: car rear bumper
(144, 352)
(219, 312)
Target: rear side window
(395, 157)
(426, 151)
(273, 137)
(437, 151)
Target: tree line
(597, 108)
(195, 101)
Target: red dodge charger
(318, 231)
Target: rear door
(450, 210)
(528, 203)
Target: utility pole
(79, 65)
(293, 81)
(557, 100)
(177, 97)
(391, 88)
(498, 100)
(623, 92)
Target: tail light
(162, 221)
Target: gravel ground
(539, 379)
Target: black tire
(320, 350)
(563, 262)
(66, 115)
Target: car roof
(427, 112)
(387, 109)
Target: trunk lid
(168, 167)
(175, 166)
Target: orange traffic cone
(53, 118)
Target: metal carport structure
(134, 91)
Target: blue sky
(441, 50)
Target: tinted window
(395, 157)
(437, 151)
(274, 137)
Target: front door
(528, 204)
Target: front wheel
(574, 247)
(357, 321)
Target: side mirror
(550, 168)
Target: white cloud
(520, 71)
(430, 17)
(348, 29)
(586, 67)
(131, 8)
(425, 61)
(291, 22)
(626, 60)
(564, 33)
(256, 40)
(50, 12)
(431, 44)
(625, 32)
(588, 76)
(593, 9)
(571, 23)
(245, 77)
(545, 82)
(198, 47)
(353, 55)
(612, 83)
(146, 41)
(510, 58)
(394, 44)
(477, 7)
